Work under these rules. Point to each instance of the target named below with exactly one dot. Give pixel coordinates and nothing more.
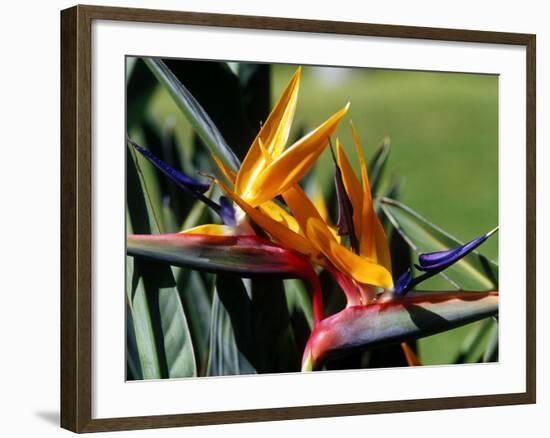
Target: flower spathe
(391, 321)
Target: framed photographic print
(267, 218)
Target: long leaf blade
(197, 116)
(133, 365)
(251, 331)
(162, 334)
(176, 336)
(473, 272)
(230, 118)
(168, 320)
(138, 306)
(472, 347)
(231, 341)
(377, 165)
(139, 216)
(197, 302)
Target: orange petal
(358, 267)
(213, 230)
(273, 135)
(412, 359)
(301, 207)
(227, 172)
(287, 169)
(278, 213)
(352, 186)
(320, 205)
(275, 229)
(363, 212)
(366, 232)
(362, 164)
(265, 153)
(383, 255)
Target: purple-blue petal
(224, 209)
(434, 262)
(442, 259)
(227, 212)
(179, 178)
(403, 284)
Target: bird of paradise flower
(271, 228)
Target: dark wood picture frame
(76, 238)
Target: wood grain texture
(76, 224)
(69, 328)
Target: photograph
(302, 218)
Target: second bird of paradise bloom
(355, 251)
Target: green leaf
(196, 296)
(300, 311)
(162, 335)
(250, 330)
(197, 116)
(414, 316)
(138, 305)
(141, 217)
(298, 300)
(136, 296)
(172, 336)
(491, 351)
(231, 342)
(377, 164)
(472, 348)
(230, 118)
(473, 272)
(178, 345)
(133, 365)
(143, 186)
(198, 305)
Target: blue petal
(227, 212)
(434, 262)
(224, 209)
(442, 259)
(403, 284)
(179, 178)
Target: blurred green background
(444, 146)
